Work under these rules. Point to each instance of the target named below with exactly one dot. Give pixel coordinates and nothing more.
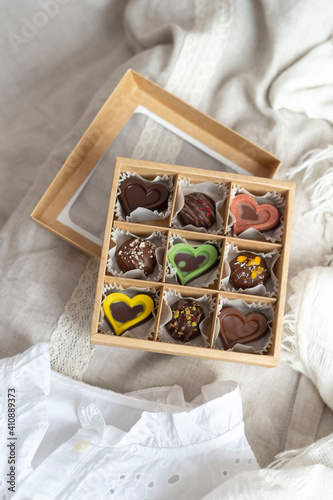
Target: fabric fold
(307, 86)
(25, 381)
(307, 344)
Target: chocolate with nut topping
(186, 318)
(136, 253)
(248, 270)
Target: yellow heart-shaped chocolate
(123, 313)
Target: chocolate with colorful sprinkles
(187, 315)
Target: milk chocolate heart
(135, 193)
(191, 262)
(249, 214)
(123, 313)
(237, 328)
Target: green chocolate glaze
(191, 262)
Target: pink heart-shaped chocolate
(237, 328)
(249, 214)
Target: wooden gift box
(256, 186)
(134, 96)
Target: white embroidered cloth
(79, 442)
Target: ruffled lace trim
(206, 422)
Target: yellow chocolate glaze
(140, 299)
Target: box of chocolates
(194, 262)
(195, 259)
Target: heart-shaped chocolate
(135, 193)
(123, 313)
(249, 214)
(237, 328)
(191, 262)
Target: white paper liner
(142, 331)
(259, 346)
(207, 302)
(269, 289)
(119, 236)
(275, 199)
(141, 214)
(205, 279)
(218, 192)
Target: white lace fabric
(70, 348)
(94, 443)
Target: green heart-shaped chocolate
(192, 262)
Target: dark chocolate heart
(122, 312)
(187, 262)
(249, 214)
(237, 328)
(135, 193)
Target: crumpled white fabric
(86, 442)
(307, 86)
(308, 341)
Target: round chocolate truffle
(248, 270)
(186, 318)
(136, 253)
(199, 210)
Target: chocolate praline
(135, 192)
(249, 214)
(186, 317)
(192, 262)
(123, 313)
(199, 210)
(248, 270)
(136, 253)
(238, 328)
